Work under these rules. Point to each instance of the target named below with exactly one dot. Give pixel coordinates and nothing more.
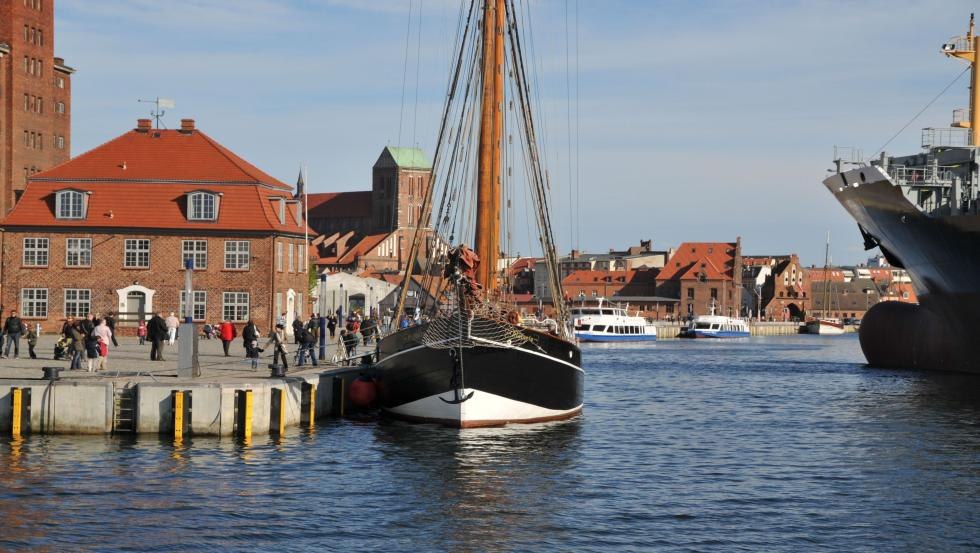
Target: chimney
(575, 254)
(187, 126)
(143, 125)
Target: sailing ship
(923, 212)
(469, 361)
(826, 324)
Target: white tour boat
(605, 323)
(716, 326)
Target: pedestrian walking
(157, 332)
(77, 333)
(350, 344)
(307, 343)
(332, 326)
(110, 322)
(31, 341)
(172, 324)
(141, 332)
(297, 330)
(250, 339)
(88, 325)
(104, 336)
(278, 340)
(91, 350)
(228, 332)
(13, 327)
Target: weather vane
(161, 104)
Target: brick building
(35, 97)
(702, 274)
(110, 230)
(373, 230)
(776, 287)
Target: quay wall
(89, 407)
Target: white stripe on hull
(482, 409)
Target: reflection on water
(778, 444)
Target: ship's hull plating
(942, 257)
(501, 384)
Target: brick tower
(35, 97)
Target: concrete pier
(136, 395)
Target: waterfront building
(349, 292)
(110, 230)
(633, 257)
(844, 300)
(35, 97)
(373, 230)
(775, 287)
(702, 276)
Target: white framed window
(237, 254)
(136, 253)
(292, 260)
(196, 251)
(78, 252)
(279, 308)
(299, 305)
(279, 256)
(61, 107)
(202, 206)
(234, 306)
(60, 142)
(34, 302)
(35, 252)
(78, 302)
(200, 306)
(69, 204)
(61, 82)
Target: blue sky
(697, 120)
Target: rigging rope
(408, 35)
(921, 111)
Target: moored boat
(610, 323)
(716, 326)
(470, 360)
(824, 326)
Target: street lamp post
(323, 317)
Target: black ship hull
(942, 257)
(496, 383)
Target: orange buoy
(362, 393)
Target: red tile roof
(151, 191)
(160, 156)
(364, 246)
(339, 204)
(521, 264)
(717, 258)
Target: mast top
(965, 48)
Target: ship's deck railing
(921, 176)
(961, 115)
(848, 154)
(942, 136)
(958, 44)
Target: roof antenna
(161, 104)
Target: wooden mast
(487, 241)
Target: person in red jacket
(228, 333)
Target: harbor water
(764, 444)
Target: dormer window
(70, 204)
(202, 206)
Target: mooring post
(308, 414)
(278, 406)
(244, 414)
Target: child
(31, 341)
(141, 332)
